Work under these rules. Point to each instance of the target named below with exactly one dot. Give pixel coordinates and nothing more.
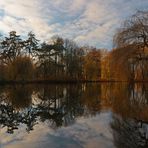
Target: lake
(88, 115)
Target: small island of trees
(25, 59)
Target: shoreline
(2, 82)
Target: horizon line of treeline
(63, 60)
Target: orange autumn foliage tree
(92, 65)
(20, 69)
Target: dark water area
(93, 115)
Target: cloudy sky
(90, 22)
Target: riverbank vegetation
(60, 59)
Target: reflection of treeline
(62, 59)
(61, 105)
(128, 101)
(58, 104)
(129, 104)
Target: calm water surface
(74, 116)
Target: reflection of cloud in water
(88, 133)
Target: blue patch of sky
(62, 17)
(2, 13)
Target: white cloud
(92, 22)
(23, 16)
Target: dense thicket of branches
(130, 57)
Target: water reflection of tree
(57, 104)
(61, 103)
(92, 97)
(129, 103)
(19, 96)
(12, 102)
(129, 133)
(127, 100)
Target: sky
(88, 22)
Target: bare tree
(131, 46)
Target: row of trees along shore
(26, 59)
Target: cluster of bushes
(62, 59)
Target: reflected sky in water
(86, 132)
(74, 116)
